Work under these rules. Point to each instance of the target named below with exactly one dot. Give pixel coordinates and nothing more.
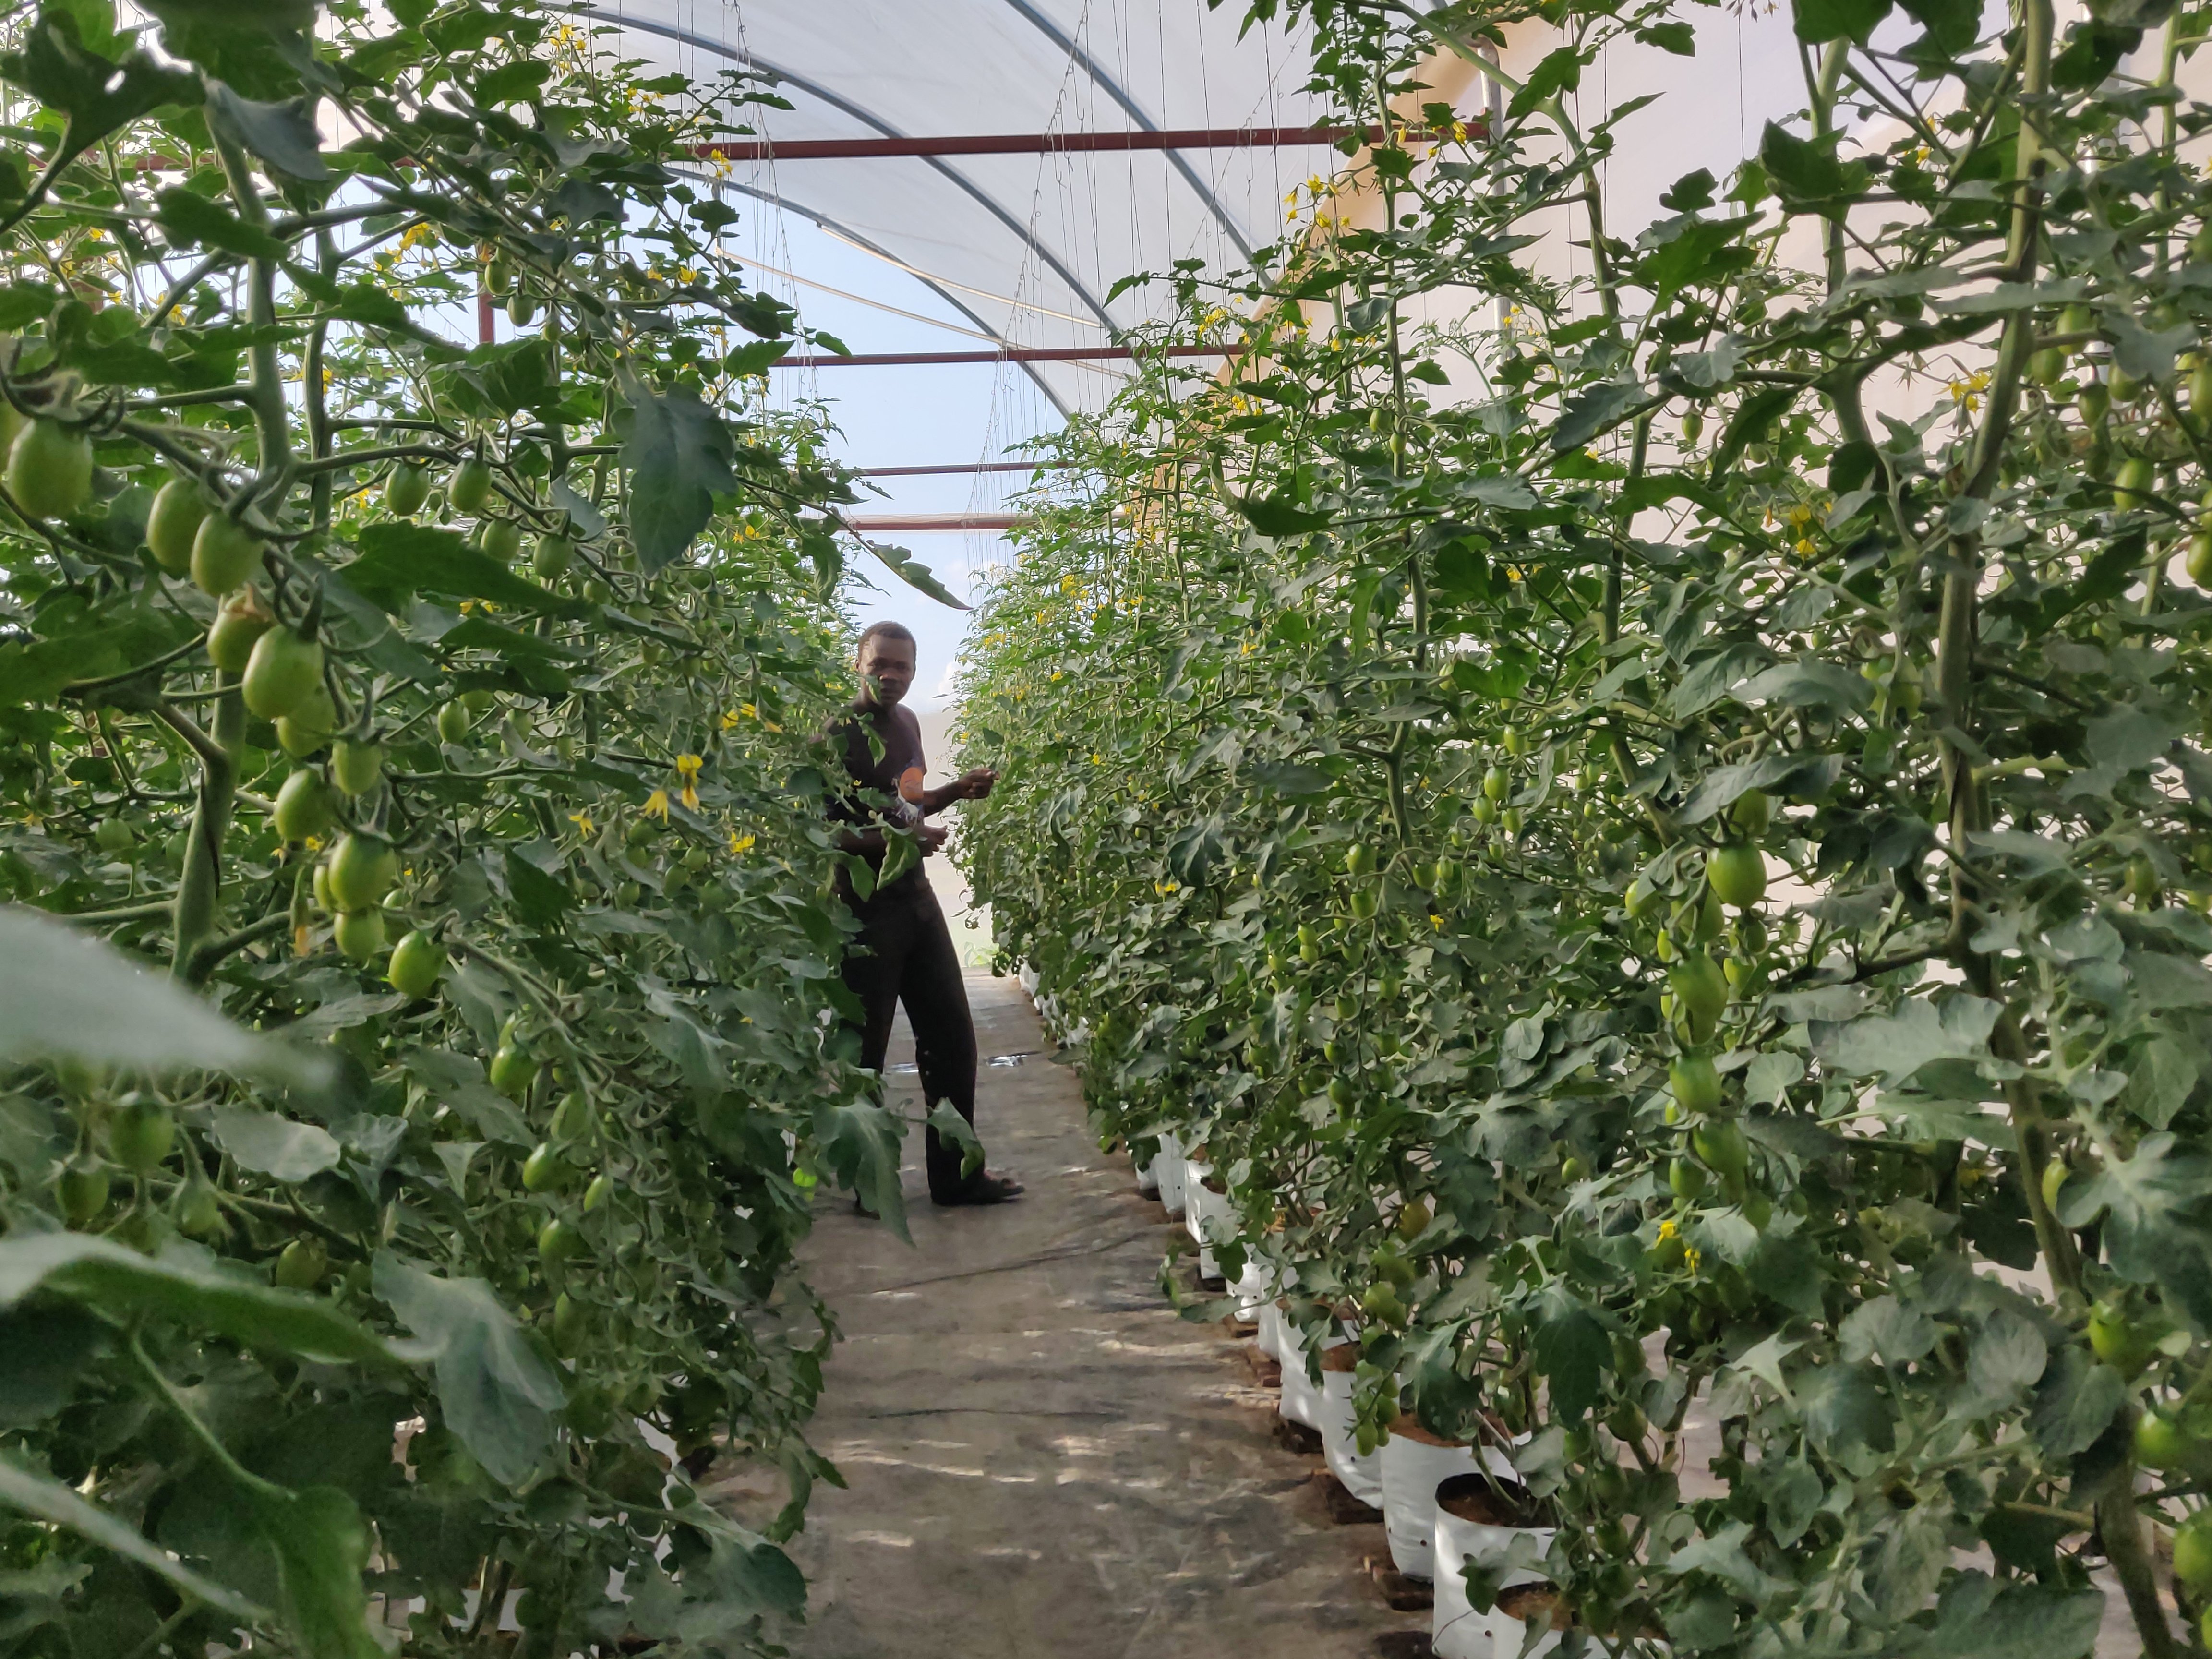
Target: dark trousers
(904, 955)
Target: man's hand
(931, 835)
(974, 784)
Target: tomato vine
(1671, 872)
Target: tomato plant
(1689, 785)
(532, 858)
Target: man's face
(886, 666)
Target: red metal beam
(1010, 354)
(960, 466)
(1040, 143)
(940, 521)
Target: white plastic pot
(1270, 1338)
(1254, 1292)
(1362, 1476)
(1148, 1175)
(1456, 1630)
(1207, 1214)
(1301, 1399)
(1413, 1467)
(1166, 1172)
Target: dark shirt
(870, 800)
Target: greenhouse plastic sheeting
(1028, 246)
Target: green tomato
(513, 1071)
(406, 491)
(2163, 1442)
(1737, 874)
(49, 469)
(1751, 812)
(301, 1264)
(1719, 1145)
(359, 934)
(356, 767)
(2119, 1341)
(452, 722)
(1364, 903)
(2136, 478)
(1696, 1082)
(241, 621)
(303, 806)
(1700, 990)
(571, 1118)
(551, 556)
(362, 868)
(417, 963)
(2192, 1554)
(559, 1243)
(199, 1213)
(140, 1135)
(1496, 782)
(544, 1170)
(2199, 561)
(113, 836)
(224, 554)
(596, 1195)
(1359, 860)
(171, 523)
(1687, 1179)
(500, 539)
(310, 725)
(572, 1325)
(1341, 1094)
(469, 487)
(1380, 1303)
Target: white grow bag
(1362, 1476)
(1166, 1172)
(1456, 1630)
(1412, 1469)
(1300, 1402)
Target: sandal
(987, 1188)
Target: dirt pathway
(1043, 1460)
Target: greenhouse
(1327, 828)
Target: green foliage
(1535, 644)
(287, 1341)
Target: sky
(901, 417)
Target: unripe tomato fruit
(2054, 1177)
(2165, 1443)
(1364, 903)
(1496, 781)
(2142, 879)
(113, 836)
(179, 510)
(359, 934)
(82, 1190)
(552, 555)
(224, 554)
(2199, 561)
(499, 539)
(1700, 990)
(1696, 1082)
(513, 1071)
(303, 806)
(199, 1213)
(140, 1134)
(301, 1264)
(544, 1170)
(470, 486)
(2119, 1341)
(1379, 1302)
(1643, 900)
(521, 308)
(452, 722)
(2192, 1553)
(241, 620)
(2094, 401)
(498, 277)
(417, 963)
(406, 491)
(362, 868)
(1737, 873)
(572, 1325)
(49, 469)
(1687, 1179)
(284, 667)
(312, 723)
(1340, 1094)
(1720, 1147)
(2136, 480)
(356, 767)
(596, 1195)
(572, 1119)
(558, 1243)
(1359, 860)
(1751, 812)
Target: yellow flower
(1692, 1257)
(739, 844)
(1435, 921)
(1667, 1230)
(687, 768)
(582, 821)
(313, 843)
(656, 806)
(1805, 548)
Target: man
(904, 953)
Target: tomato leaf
(679, 455)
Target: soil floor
(1042, 1458)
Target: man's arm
(972, 785)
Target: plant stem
(199, 888)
